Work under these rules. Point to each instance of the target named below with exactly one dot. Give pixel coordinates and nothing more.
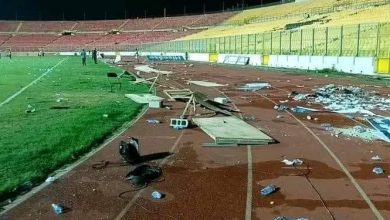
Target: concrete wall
(199, 57)
(357, 65)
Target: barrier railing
(312, 11)
(371, 39)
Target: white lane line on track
(32, 83)
(136, 196)
(249, 189)
(248, 207)
(374, 210)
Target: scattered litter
(30, 109)
(153, 121)
(249, 118)
(221, 100)
(57, 208)
(129, 151)
(350, 99)
(308, 117)
(231, 130)
(179, 124)
(271, 203)
(382, 126)
(268, 190)
(152, 100)
(376, 158)
(356, 131)
(206, 84)
(105, 115)
(280, 108)
(285, 218)
(300, 97)
(255, 86)
(148, 69)
(294, 162)
(157, 195)
(326, 126)
(144, 174)
(50, 179)
(279, 116)
(378, 170)
(300, 109)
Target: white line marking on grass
(345, 170)
(136, 196)
(32, 83)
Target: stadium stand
(141, 24)
(38, 40)
(8, 26)
(31, 35)
(46, 26)
(4, 38)
(88, 26)
(341, 13)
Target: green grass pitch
(33, 145)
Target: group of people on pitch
(83, 55)
(8, 54)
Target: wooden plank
(231, 130)
(178, 94)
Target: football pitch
(53, 110)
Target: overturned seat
(114, 79)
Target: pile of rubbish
(350, 100)
(346, 99)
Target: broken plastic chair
(114, 79)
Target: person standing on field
(84, 57)
(136, 55)
(94, 55)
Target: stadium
(261, 110)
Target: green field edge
(9, 197)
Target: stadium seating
(76, 40)
(30, 40)
(98, 25)
(8, 26)
(335, 17)
(4, 38)
(141, 24)
(46, 26)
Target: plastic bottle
(156, 195)
(268, 190)
(57, 208)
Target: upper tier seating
(8, 26)
(46, 26)
(98, 25)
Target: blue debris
(57, 208)
(378, 170)
(268, 190)
(153, 121)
